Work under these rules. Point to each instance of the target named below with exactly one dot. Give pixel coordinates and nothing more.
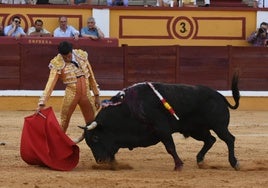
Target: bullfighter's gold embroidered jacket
(68, 73)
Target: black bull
(141, 120)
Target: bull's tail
(235, 92)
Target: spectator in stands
(38, 30)
(192, 3)
(206, 3)
(181, 3)
(79, 2)
(91, 30)
(117, 2)
(1, 29)
(65, 30)
(31, 2)
(260, 3)
(14, 29)
(189, 3)
(42, 2)
(73, 68)
(167, 3)
(13, 2)
(259, 37)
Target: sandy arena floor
(144, 167)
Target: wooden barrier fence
(24, 64)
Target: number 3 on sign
(183, 27)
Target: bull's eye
(95, 138)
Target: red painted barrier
(24, 64)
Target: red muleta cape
(44, 143)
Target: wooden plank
(160, 51)
(11, 83)
(151, 64)
(107, 64)
(205, 66)
(252, 64)
(10, 57)
(8, 40)
(249, 52)
(204, 52)
(35, 65)
(253, 84)
(9, 72)
(110, 84)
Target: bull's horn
(77, 140)
(93, 125)
(82, 127)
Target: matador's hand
(39, 108)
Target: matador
(73, 68)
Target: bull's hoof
(201, 164)
(237, 166)
(178, 167)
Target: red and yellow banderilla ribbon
(165, 103)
